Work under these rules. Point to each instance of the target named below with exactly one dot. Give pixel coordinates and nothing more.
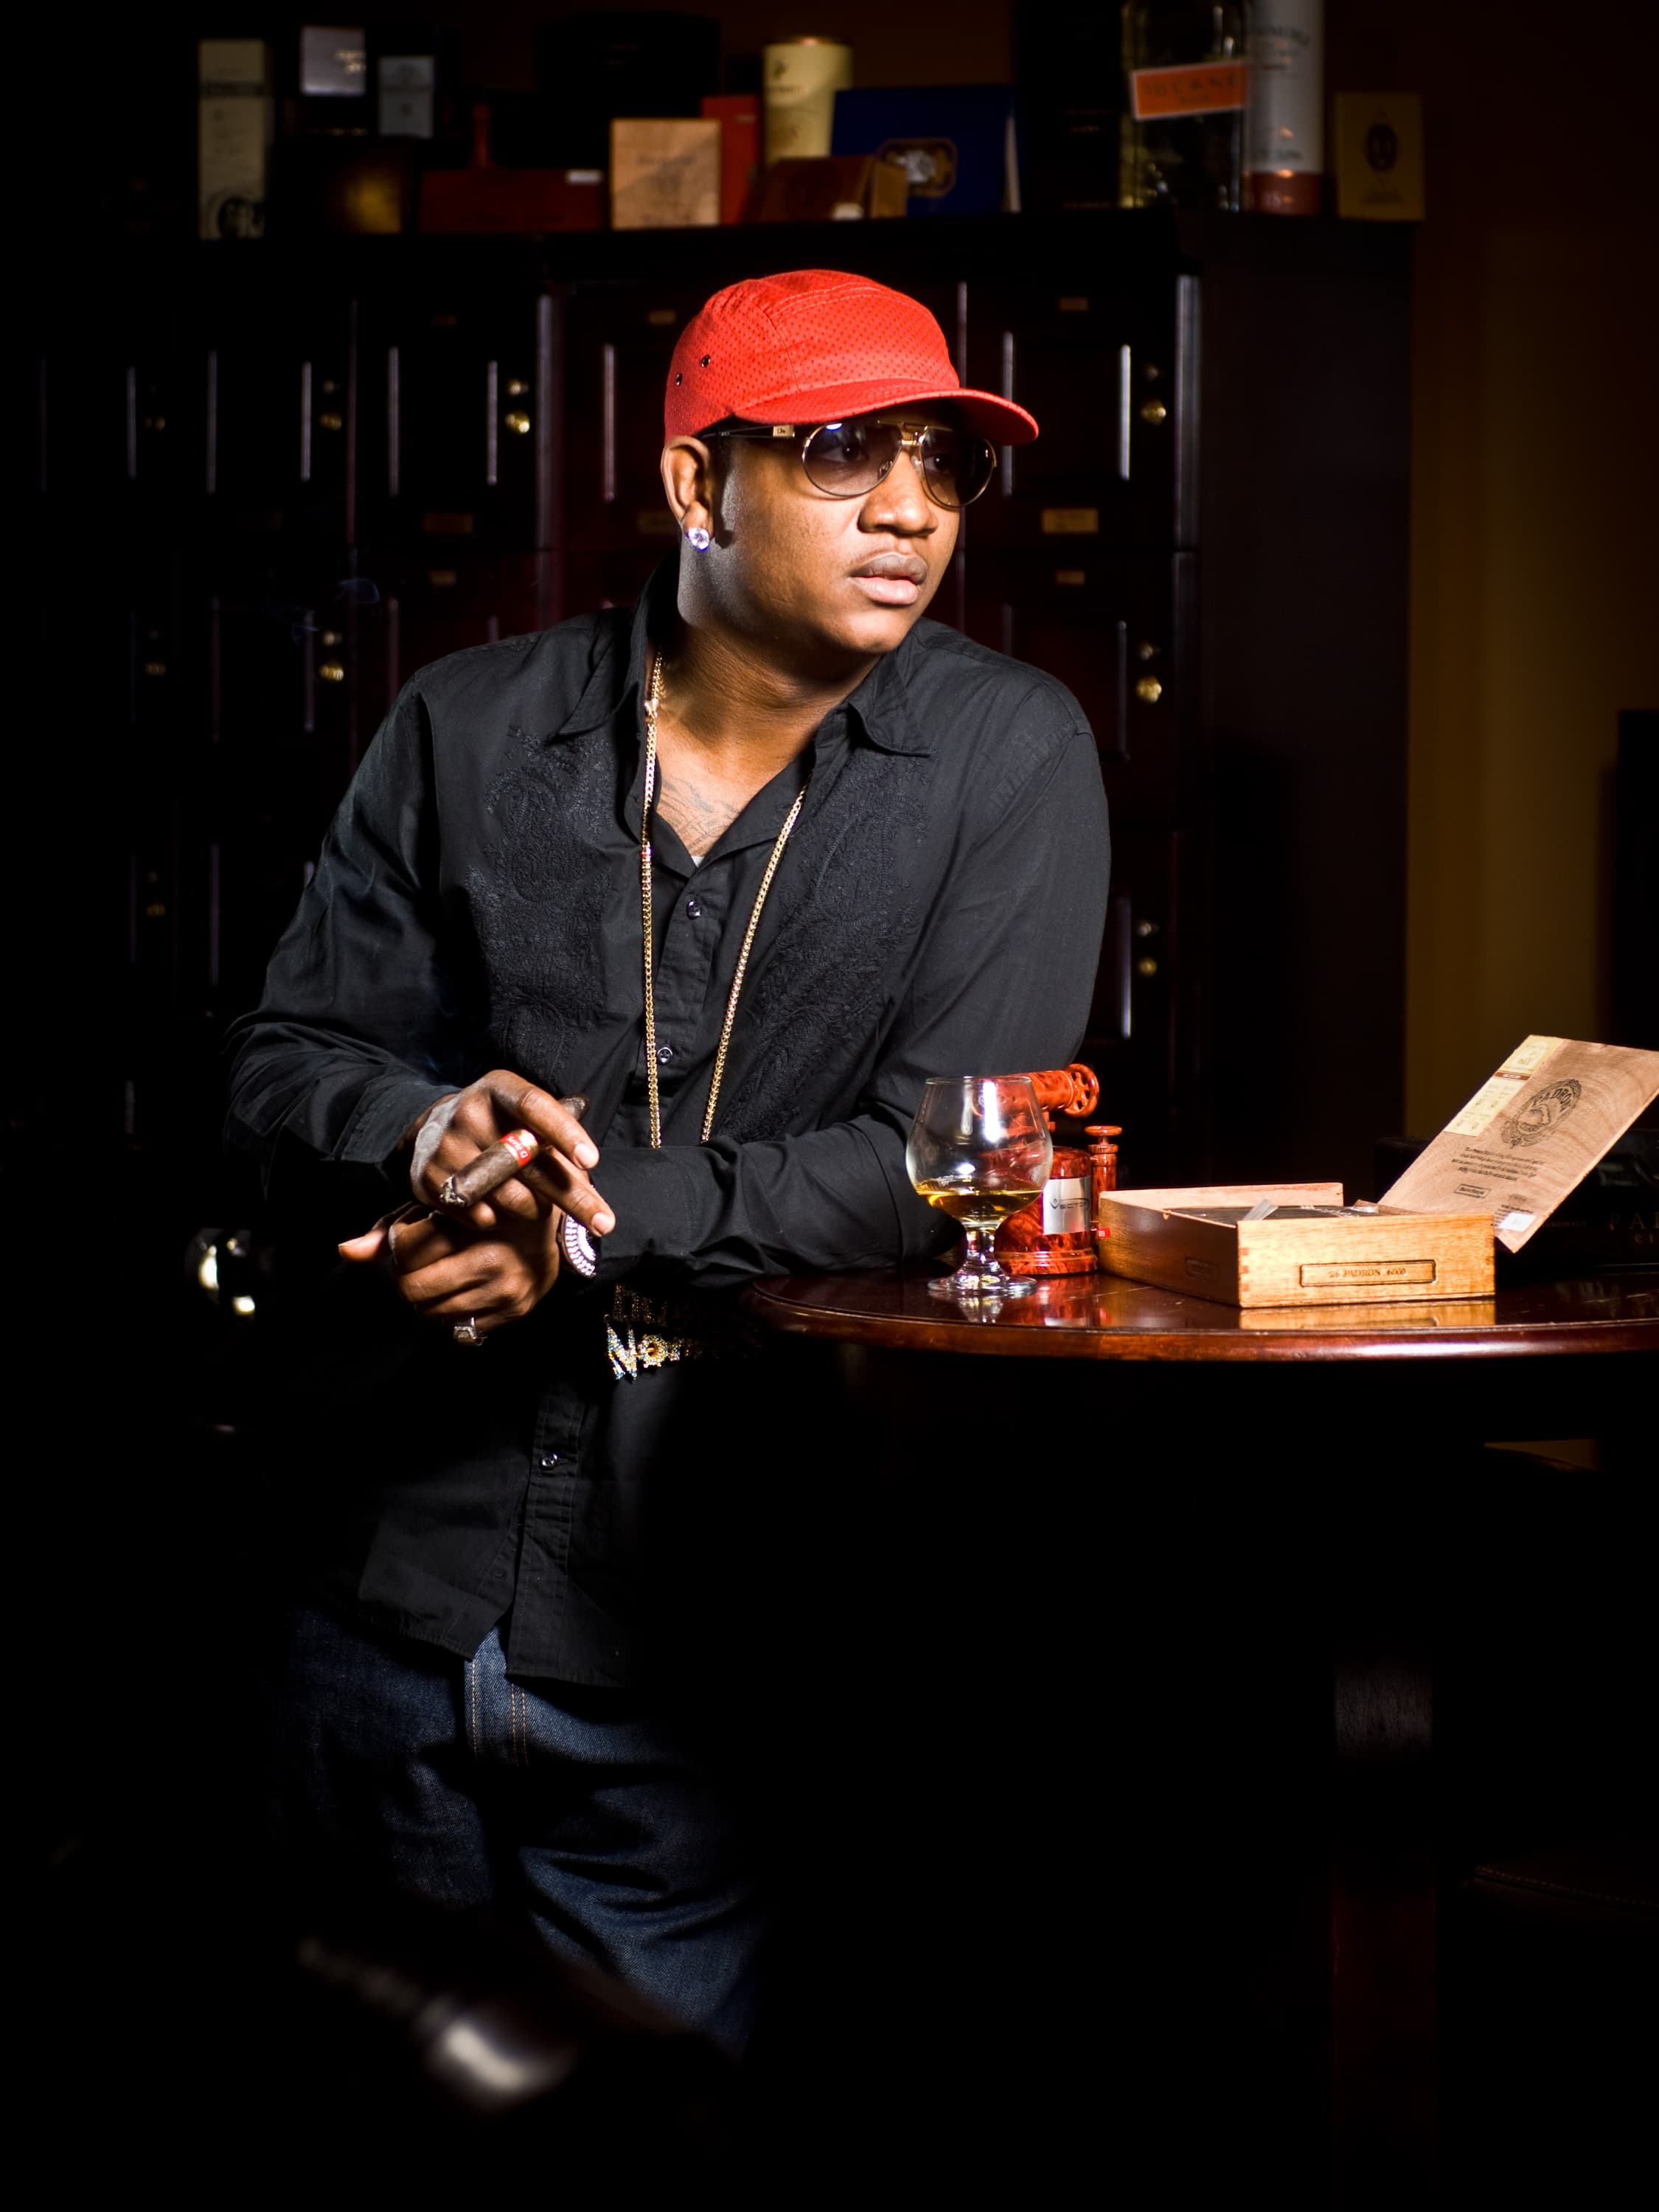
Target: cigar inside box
(1266, 1210)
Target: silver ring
(467, 1332)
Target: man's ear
(687, 478)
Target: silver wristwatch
(577, 1246)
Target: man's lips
(894, 564)
(892, 580)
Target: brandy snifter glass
(979, 1150)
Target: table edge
(766, 1302)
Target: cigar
(501, 1161)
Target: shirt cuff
(654, 1196)
(389, 1103)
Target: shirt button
(665, 1053)
(549, 1460)
(694, 908)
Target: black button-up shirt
(938, 908)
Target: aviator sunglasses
(845, 459)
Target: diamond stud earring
(698, 536)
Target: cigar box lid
(1530, 1134)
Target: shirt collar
(615, 681)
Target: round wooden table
(1104, 1317)
(1206, 1587)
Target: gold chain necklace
(642, 1333)
(652, 702)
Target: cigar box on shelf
(665, 171)
(833, 188)
(1492, 1177)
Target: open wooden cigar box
(1492, 1177)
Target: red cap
(816, 345)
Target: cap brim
(998, 420)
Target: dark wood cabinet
(295, 474)
(1096, 355)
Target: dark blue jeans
(585, 1812)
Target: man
(861, 850)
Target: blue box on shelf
(955, 140)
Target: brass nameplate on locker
(1070, 522)
(661, 317)
(1071, 576)
(442, 579)
(1075, 305)
(656, 522)
(447, 526)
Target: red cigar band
(522, 1144)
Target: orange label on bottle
(1194, 88)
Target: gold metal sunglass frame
(910, 436)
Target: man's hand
(451, 1272)
(494, 1261)
(451, 1134)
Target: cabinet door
(438, 600)
(115, 418)
(1139, 1034)
(163, 668)
(1118, 632)
(277, 372)
(1103, 369)
(458, 412)
(284, 655)
(619, 341)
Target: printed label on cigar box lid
(1064, 1206)
(1314, 1274)
(1496, 1094)
(1532, 1053)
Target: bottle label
(1286, 131)
(1193, 89)
(1064, 1206)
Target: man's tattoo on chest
(701, 817)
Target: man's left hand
(449, 1271)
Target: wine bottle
(1184, 89)
(1284, 136)
(1053, 1234)
(235, 129)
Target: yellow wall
(1535, 598)
(1536, 618)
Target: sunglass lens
(843, 457)
(958, 465)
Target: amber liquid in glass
(979, 1209)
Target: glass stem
(980, 1254)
